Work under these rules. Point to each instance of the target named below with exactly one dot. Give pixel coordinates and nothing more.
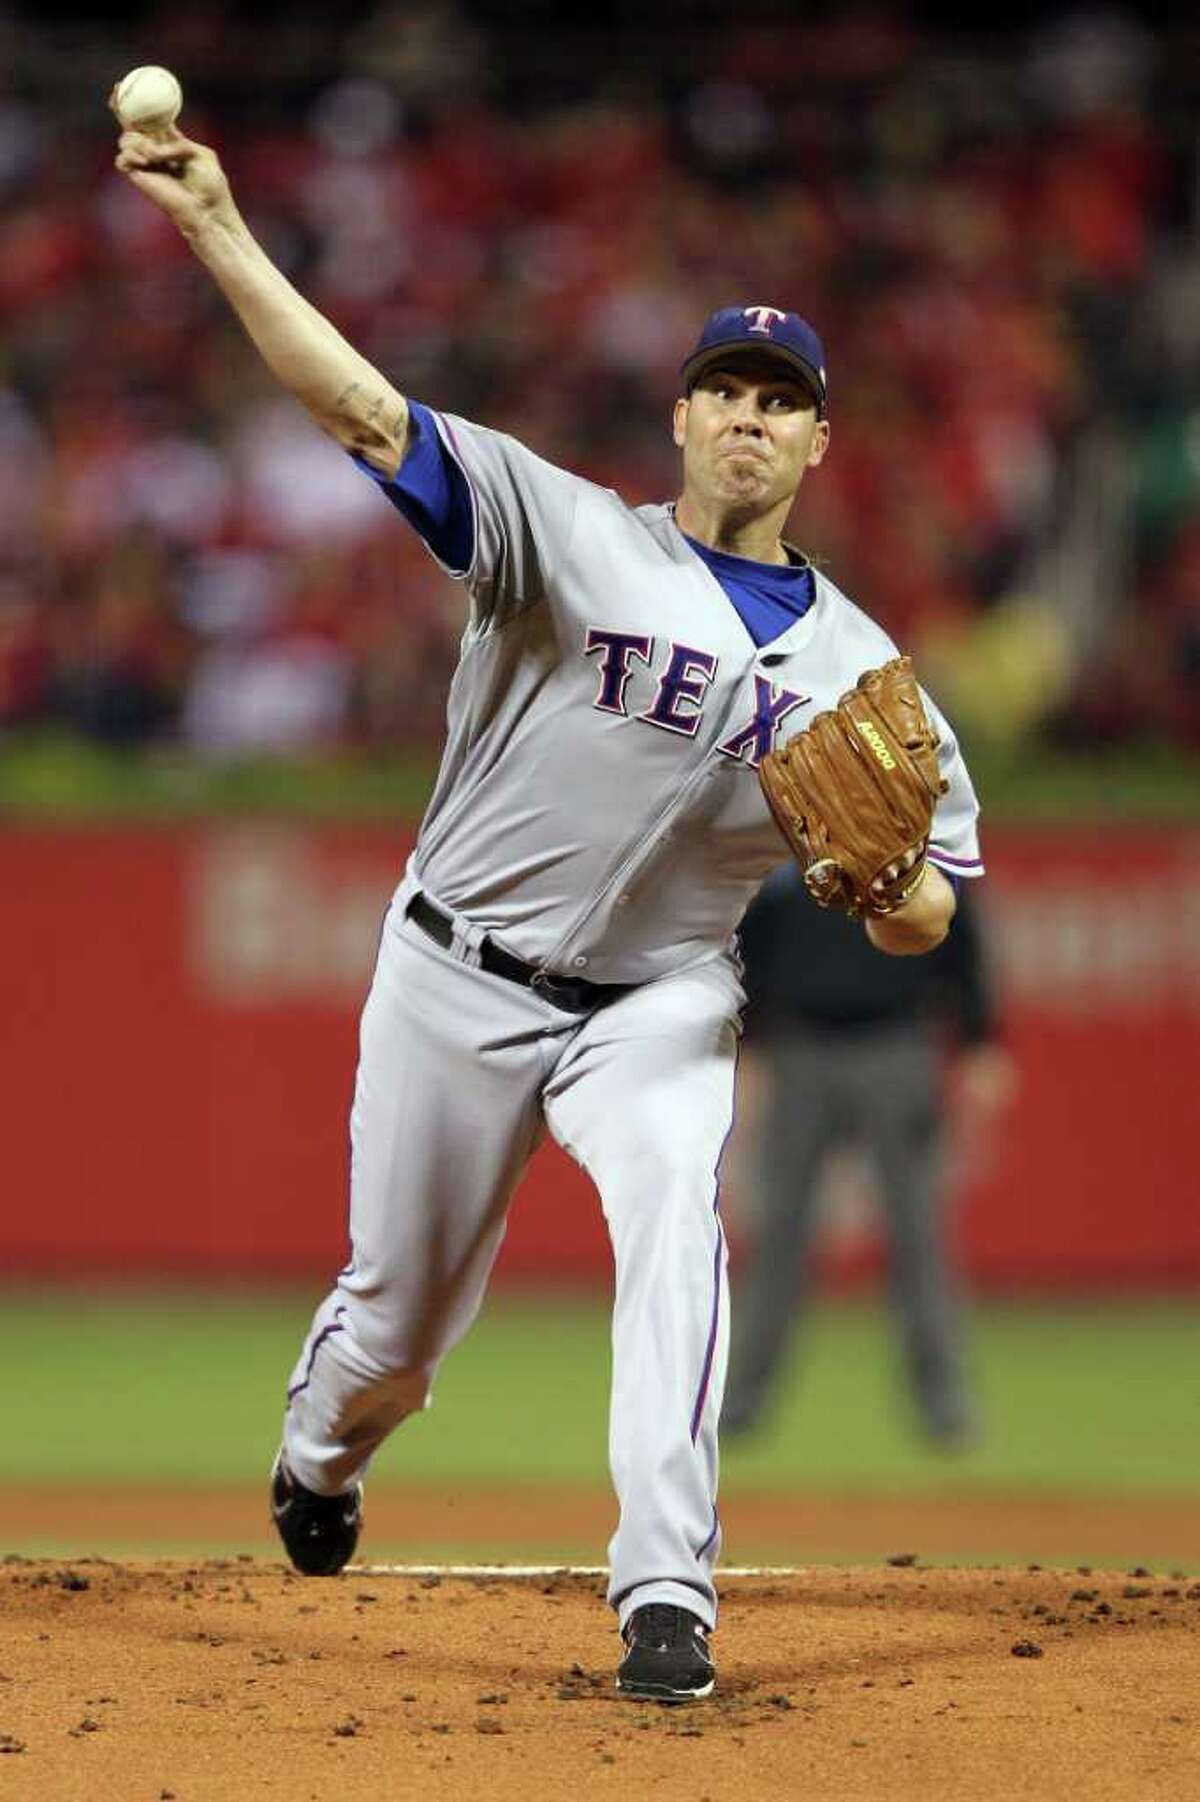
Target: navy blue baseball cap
(766, 329)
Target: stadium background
(223, 663)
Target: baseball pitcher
(560, 955)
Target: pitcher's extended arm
(344, 393)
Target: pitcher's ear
(820, 443)
(679, 420)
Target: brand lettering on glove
(874, 738)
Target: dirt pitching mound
(234, 1679)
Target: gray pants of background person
(878, 1087)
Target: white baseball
(147, 99)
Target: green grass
(54, 778)
(188, 1386)
(57, 780)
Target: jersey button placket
(659, 834)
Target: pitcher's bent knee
(387, 1402)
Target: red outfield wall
(177, 1039)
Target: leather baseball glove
(853, 794)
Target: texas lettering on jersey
(679, 701)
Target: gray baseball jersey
(598, 808)
(597, 814)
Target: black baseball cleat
(667, 1657)
(319, 1531)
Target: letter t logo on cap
(760, 318)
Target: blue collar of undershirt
(768, 598)
(749, 569)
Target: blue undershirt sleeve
(432, 492)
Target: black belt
(571, 993)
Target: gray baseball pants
(460, 1072)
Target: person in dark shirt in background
(843, 1045)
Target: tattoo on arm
(365, 428)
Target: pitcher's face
(748, 431)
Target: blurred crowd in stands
(998, 238)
